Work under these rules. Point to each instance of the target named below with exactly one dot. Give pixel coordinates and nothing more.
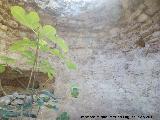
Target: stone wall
(141, 29)
(10, 30)
(118, 64)
(7, 25)
(118, 60)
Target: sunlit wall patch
(69, 7)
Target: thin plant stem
(35, 61)
(46, 82)
(2, 88)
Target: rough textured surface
(10, 31)
(17, 80)
(116, 76)
(117, 56)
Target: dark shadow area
(17, 80)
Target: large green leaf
(46, 67)
(57, 53)
(30, 20)
(43, 46)
(2, 68)
(19, 13)
(63, 116)
(33, 20)
(49, 32)
(30, 62)
(42, 42)
(29, 55)
(22, 45)
(70, 64)
(61, 43)
(6, 59)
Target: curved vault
(83, 13)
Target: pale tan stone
(3, 27)
(142, 18)
(13, 24)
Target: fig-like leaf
(30, 20)
(70, 64)
(2, 68)
(63, 116)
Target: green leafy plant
(63, 116)
(29, 49)
(74, 91)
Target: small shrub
(29, 50)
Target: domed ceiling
(87, 12)
(74, 7)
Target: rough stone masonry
(117, 49)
